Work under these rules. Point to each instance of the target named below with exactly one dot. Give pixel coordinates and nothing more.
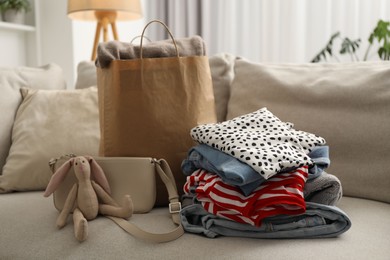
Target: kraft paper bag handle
(166, 28)
(139, 36)
(141, 44)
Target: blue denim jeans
(234, 172)
(319, 221)
(320, 157)
(231, 170)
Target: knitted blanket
(325, 189)
(116, 50)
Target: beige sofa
(347, 104)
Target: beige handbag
(134, 176)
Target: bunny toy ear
(58, 177)
(98, 174)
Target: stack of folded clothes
(256, 176)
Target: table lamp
(105, 12)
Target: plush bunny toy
(87, 197)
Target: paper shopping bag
(148, 106)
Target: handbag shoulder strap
(167, 177)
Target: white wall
(287, 30)
(68, 42)
(18, 43)
(84, 34)
(56, 36)
(12, 48)
(283, 31)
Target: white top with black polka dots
(260, 140)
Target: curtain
(183, 17)
(269, 30)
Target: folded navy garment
(234, 172)
(319, 221)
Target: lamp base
(104, 18)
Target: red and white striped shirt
(281, 194)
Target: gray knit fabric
(325, 189)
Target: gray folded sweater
(116, 50)
(325, 189)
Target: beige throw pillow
(222, 73)
(11, 80)
(86, 75)
(347, 104)
(49, 123)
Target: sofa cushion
(36, 233)
(11, 80)
(49, 123)
(86, 75)
(347, 104)
(222, 73)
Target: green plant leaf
(381, 31)
(327, 50)
(384, 51)
(382, 34)
(348, 46)
(15, 4)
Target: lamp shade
(85, 9)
